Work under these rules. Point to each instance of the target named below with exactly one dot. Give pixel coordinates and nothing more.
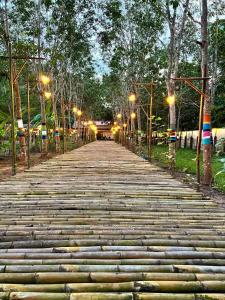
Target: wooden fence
(189, 139)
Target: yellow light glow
(79, 113)
(171, 99)
(75, 109)
(119, 116)
(132, 97)
(133, 115)
(115, 123)
(44, 79)
(47, 95)
(90, 122)
(85, 123)
(93, 127)
(124, 125)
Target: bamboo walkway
(101, 223)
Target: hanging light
(47, 95)
(79, 113)
(75, 109)
(171, 99)
(133, 115)
(44, 79)
(132, 97)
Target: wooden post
(198, 166)
(207, 127)
(28, 123)
(150, 125)
(147, 128)
(63, 123)
(13, 143)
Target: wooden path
(101, 223)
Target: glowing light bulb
(47, 95)
(133, 115)
(132, 97)
(44, 79)
(171, 99)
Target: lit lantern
(47, 95)
(133, 115)
(44, 79)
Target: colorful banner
(206, 130)
(56, 134)
(44, 135)
(172, 135)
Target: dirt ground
(6, 168)
(209, 192)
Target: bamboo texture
(102, 223)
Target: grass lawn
(186, 162)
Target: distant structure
(104, 130)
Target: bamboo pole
(28, 122)
(13, 143)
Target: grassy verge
(186, 162)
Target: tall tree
(207, 135)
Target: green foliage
(186, 162)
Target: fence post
(191, 142)
(214, 142)
(185, 141)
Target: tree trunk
(172, 117)
(207, 135)
(138, 116)
(56, 125)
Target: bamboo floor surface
(102, 223)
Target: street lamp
(119, 116)
(79, 113)
(44, 79)
(133, 115)
(132, 97)
(47, 95)
(75, 109)
(171, 99)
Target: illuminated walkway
(101, 223)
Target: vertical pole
(199, 139)
(147, 127)
(63, 124)
(207, 124)
(150, 125)
(28, 122)
(13, 143)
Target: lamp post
(79, 114)
(63, 123)
(12, 110)
(189, 81)
(28, 122)
(149, 88)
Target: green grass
(186, 162)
